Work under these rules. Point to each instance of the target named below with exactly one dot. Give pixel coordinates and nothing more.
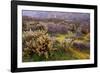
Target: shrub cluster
(37, 42)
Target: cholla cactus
(38, 42)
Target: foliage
(37, 42)
(49, 41)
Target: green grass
(56, 55)
(60, 54)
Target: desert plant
(38, 42)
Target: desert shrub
(66, 44)
(57, 28)
(24, 26)
(85, 29)
(37, 42)
(57, 44)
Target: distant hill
(50, 15)
(56, 20)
